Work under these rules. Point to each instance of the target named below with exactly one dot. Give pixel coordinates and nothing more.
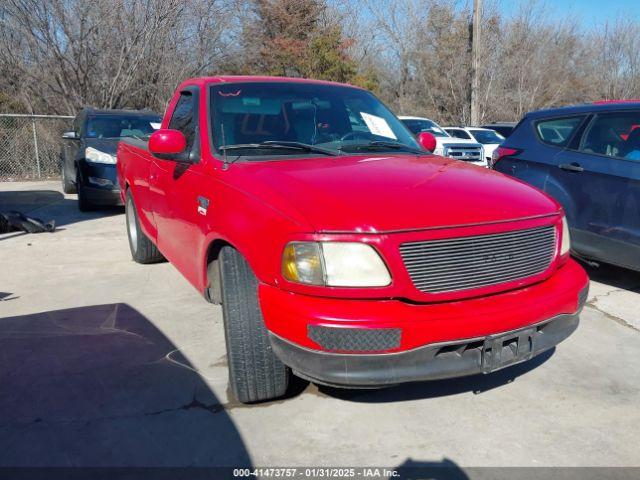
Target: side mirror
(427, 141)
(167, 144)
(69, 135)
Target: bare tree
(59, 55)
(616, 60)
(108, 53)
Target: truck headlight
(565, 247)
(334, 264)
(96, 156)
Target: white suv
(490, 139)
(446, 145)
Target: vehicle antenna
(225, 164)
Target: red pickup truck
(340, 249)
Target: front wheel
(255, 373)
(84, 205)
(142, 249)
(67, 185)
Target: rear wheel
(142, 249)
(255, 373)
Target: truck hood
(384, 194)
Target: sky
(589, 13)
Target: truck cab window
(183, 118)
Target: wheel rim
(131, 226)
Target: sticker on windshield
(378, 125)
(155, 125)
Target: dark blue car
(88, 156)
(588, 158)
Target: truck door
(602, 175)
(177, 192)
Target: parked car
(588, 158)
(489, 139)
(503, 128)
(87, 159)
(339, 249)
(446, 145)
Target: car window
(418, 126)
(183, 117)
(558, 131)
(504, 131)
(487, 137)
(459, 133)
(614, 135)
(120, 125)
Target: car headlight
(96, 156)
(439, 151)
(565, 247)
(334, 264)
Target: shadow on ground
(444, 469)
(613, 276)
(51, 205)
(92, 387)
(476, 384)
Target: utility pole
(475, 54)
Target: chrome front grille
(467, 153)
(463, 263)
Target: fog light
(103, 182)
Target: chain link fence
(30, 146)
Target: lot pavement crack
(194, 404)
(608, 315)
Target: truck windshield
(260, 119)
(118, 126)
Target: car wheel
(67, 185)
(142, 249)
(84, 205)
(255, 373)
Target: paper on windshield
(155, 125)
(378, 125)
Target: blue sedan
(588, 158)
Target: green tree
(298, 38)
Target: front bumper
(381, 342)
(443, 360)
(100, 183)
(103, 196)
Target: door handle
(572, 167)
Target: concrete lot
(105, 362)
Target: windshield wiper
(279, 145)
(383, 144)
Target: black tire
(67, 185)
(84, 205)
(255, 373)
(142, 249)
